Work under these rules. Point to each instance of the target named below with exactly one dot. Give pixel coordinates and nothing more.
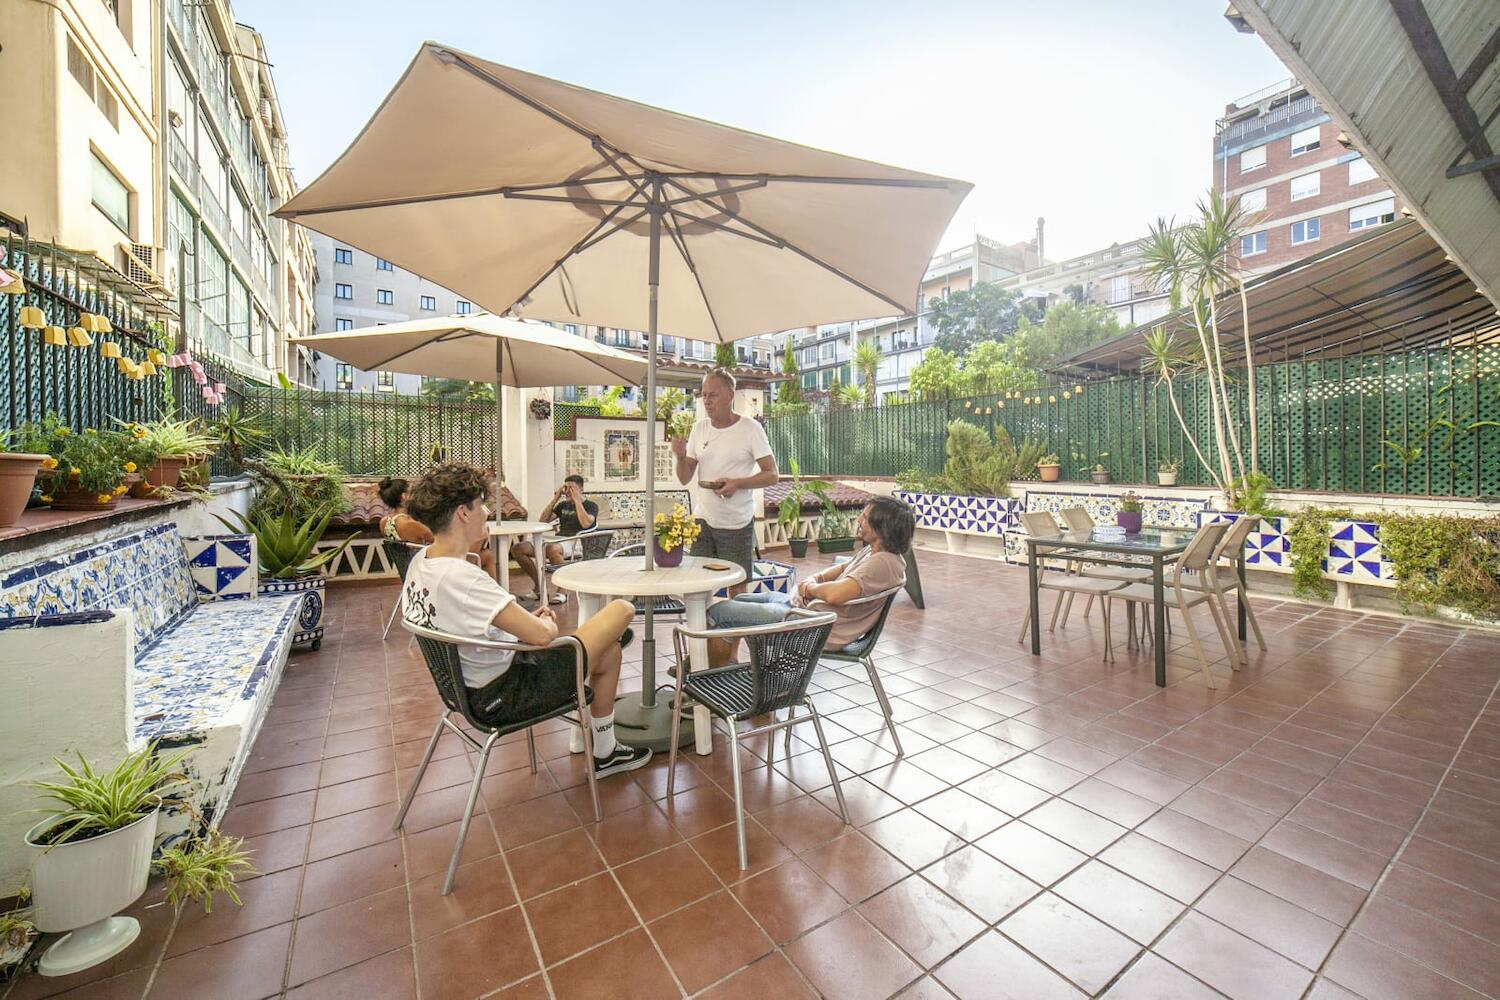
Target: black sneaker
(623, 759)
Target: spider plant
(179, 438)
(202, 867)
(94, 803)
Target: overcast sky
(1096, 114)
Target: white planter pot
(1167, 478)
(79, 886)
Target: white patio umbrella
(482, 347)
(533, 196)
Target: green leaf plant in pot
(91, 857)
(1166, 471)
(834, 532)
(1049, 466)
(176, 445)
(284, 550)
(789, 514)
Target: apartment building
(81, 166)
(1110, 277)
(824, 353)
(243, 278)
(356, 289)
(1281, 154)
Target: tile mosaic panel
(770, 577)
(979, 515)
(1158, 511)
(223, 566)
(146, 571)
(1267, 547)
(1354, 553)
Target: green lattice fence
(1423, 423)
(375, 433)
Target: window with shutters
(1306, 186)
(1305, 141)
(1253, 201)
(1360, 171)
(1377, 213)
(1253, 159)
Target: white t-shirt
(731, 452)
(455, 596)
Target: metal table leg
(1159, 620)
(1036, 603)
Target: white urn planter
(78, 887)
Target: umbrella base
(638, 726)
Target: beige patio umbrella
(533, 196)
(482, 347)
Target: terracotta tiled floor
(1326, 824)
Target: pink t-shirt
(875, 572)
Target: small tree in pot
(789, 514)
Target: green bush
(315, 484)
(1444, 560)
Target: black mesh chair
(783, 657)
(399, 555)
(440, 650)
(663, 605)
(592, 544)
(862, 650)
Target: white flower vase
(78, 887)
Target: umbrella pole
(499, 427)
(650, 723)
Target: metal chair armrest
(796, 618)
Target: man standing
(731, 458)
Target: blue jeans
(750, 609)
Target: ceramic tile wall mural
(1354, 553)
(579, 460)
(1266, 548)
(1161, 511)
(979, 515)
(223, 566)
(770, 577)
(622, 456)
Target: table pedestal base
(638, 726)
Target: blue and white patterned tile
(770, 577)
(1354, 551)
(223, 567)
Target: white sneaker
(575, 740)
(557, 597)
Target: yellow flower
(46, 499)
(120, 489)
(49, 462)
(129, 466)
(75, 470)
(104, 498)
(137, 432)
(62, 432)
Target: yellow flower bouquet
(672, 534)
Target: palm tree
(1166, 360)
(1195, 262)
(845, 395)
(866, 360)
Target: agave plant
(95, 803)
(285, 544)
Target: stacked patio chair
(1064, 584)
(783, 657)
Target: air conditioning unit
(266, 117)
(142, 264)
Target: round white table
(501, 534)
(647, 723)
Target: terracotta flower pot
(1049, 472)
(164, 474)
(67, 495)
(17, 478)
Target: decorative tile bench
(770, 577)
(148, 636)
(1354, 555)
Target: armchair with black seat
(440, 651)
(592, 544)
(782, 658)
(862, 650)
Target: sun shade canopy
(482, 347)
(527, 194)
(1390, 291)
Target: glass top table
(1151, 547)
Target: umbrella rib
(787, 244)
(687, 258)
(596, 240)
(576, 247)
(441, 338)
(677, 214)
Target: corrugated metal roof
(1394, 289)
(1357, 58)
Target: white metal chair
(783, 657)
(440, 651)
(1197, 558)
(1040, 523)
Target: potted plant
(173, 445)
(540, 408)
(92, 857)
(284, 549)
(199, 868)
(671, 534)
(21, 458)
(17, 933)
(1099, 473)
(1049, 466)
(1129, 516)
(305, 481)
(789, 514)
(833, 531)
(90, 469)
(1166, 471)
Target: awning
(1392, 290)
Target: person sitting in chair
(573, 514)
(447, 593)
(885, 526)
(399, 526)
